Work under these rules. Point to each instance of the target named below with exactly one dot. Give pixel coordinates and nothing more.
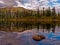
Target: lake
(50, 30)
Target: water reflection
(50, 30)
(47, 26)
(22, 26)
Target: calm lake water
(49, 30)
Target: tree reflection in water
(28, 26)
(48, 27)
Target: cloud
(8, 3)
(19, 4)
(31, 4)
(57, 6)
(53, 0)
(34, 4)
(2, 2)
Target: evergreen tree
(43, 11)
(48, 12)
(53, 11)
(58, 14)
(38, 12)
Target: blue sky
(32, 4)
(42, 3)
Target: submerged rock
(38, 37)
(9, 44)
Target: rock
(38, 37)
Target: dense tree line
(25, 13)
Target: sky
(31, 4)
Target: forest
(16, 18)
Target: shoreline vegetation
(19, 19)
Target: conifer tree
(43, 11)
(53, 11)
(48, 12)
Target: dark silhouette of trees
(58, 14)
(38, 14)
(53, 11)
(48, 12)
(43, 12)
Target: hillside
(12, 8)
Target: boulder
(38, 37)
